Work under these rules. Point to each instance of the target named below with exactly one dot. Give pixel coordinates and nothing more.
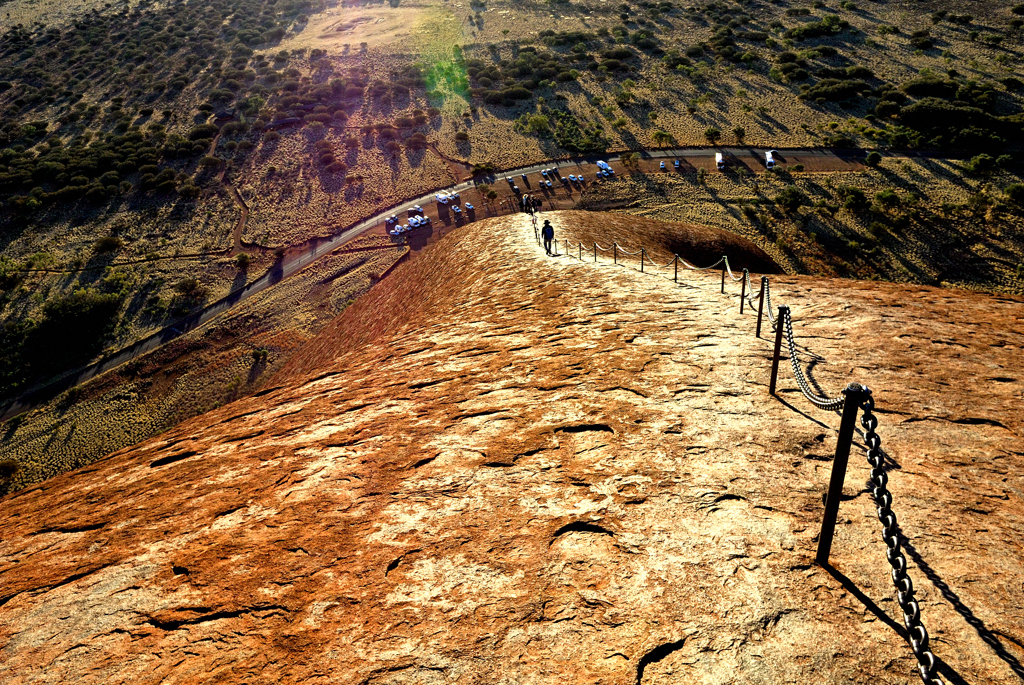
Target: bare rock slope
(500, 467)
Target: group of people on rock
(528, 204)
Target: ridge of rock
(503, 467)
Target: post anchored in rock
(724, 265)
(760, 306)
(595, 252)
(855, 395)
(642, 255)
(779, 325)
(743, 289)
(675, 263)
(615, 253)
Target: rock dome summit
(503, 467)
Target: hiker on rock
(548, 231)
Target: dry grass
(948, 229)
(221, 362)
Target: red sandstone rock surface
(500, 467)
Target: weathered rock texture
(500, 467)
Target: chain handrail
(729, 269)
(627, 252)
(768, 302)
(699, 268)
(750, 288)
(826, 403)
(917, 634)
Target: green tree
(713, 135)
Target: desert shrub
(462, 135)
(72, 329)
(202, 131)
(830, 25)
(271, 136)
(980, 164)
(873, 159)
(712, 134)
(854, 72)
(930, 86)
(835, 90)
(887, 198)
(790, 198)
(1015, 192)
(107, 244)
(853, 198)
(1012, 83)
(189, 190)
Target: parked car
(469, 207)
(676, 164)
(769, 159)
(719, 161)
(663, 166)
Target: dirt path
(236, 236)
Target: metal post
(779, 325)
(642, 253)
(615, 252)
(743, 290)
(855, 395)
(675, 262)
(581, 252)
(595, 252)
(760, 305)
(723, 276)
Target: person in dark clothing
(548, 231)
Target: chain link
(826, 403)
(879, 480)
(729, 269)
(768, 302)
(750, 288)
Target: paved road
(294, 262)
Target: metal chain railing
(826, 403)
(854, 398)
(917, 634)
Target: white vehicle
(719, 161)
(663, 164)
(469, 207)
(603, 165)
(572, 177)
(769, 159)
(442, 198)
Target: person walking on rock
(548, 231)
